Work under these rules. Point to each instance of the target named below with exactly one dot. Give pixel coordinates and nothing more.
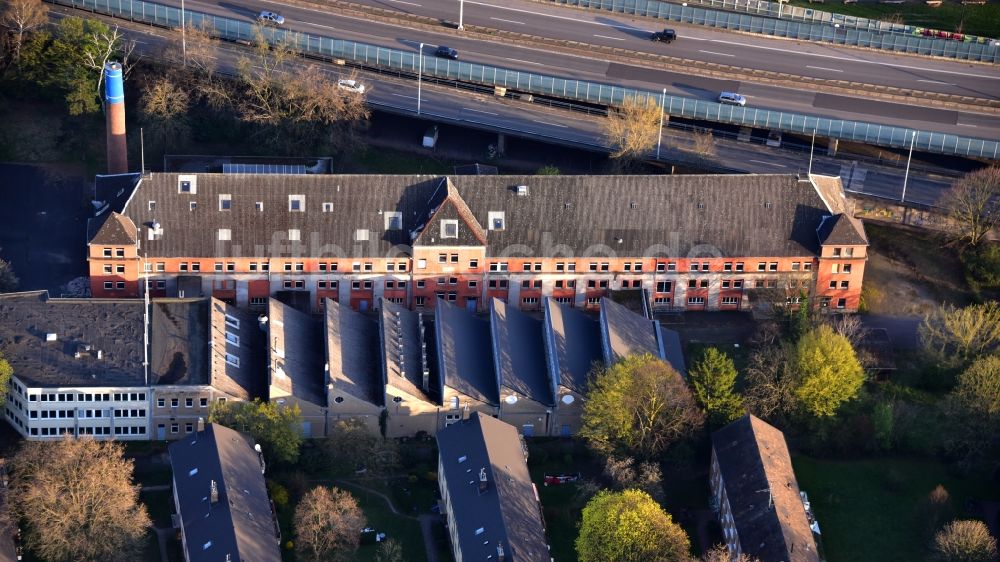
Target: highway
(521, 119)
(970, 79)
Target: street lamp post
(461, 13)
(906, 176)
(420, 74)
(659, 137)
(184, 48)
(812, 148)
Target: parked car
(732, 99)
(271, 17)
(446, 53)
(351, 86)
(665, 36)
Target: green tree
(713, 377)
(883, 422)
(549, 170)
(629, 527)
(638, 406)
(277, 428)
(982, 263)
(352, 445)
(6, 372)
(827, 372)
(965, 541)
(973, 412)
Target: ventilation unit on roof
(521, 190)
(214, 492)
(51, 336)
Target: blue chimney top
(114, 91)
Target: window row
(175, 402)
(87, 397)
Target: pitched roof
(296, 353)
(519, 352)
(352, 353)
(113, 329)
(506, 513)
(736, 215)
(572, 344)
(465, 353)
(446, 203)
(675, 353)
(842, 229)
(178, 343)
(115, 230)
(762, 491)
(402, 350)
(114, 191)
(625, 333)
(247, 380)
(240, 524)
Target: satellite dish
(511, 399)
(568, 399)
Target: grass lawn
(159, 505)
(868, 509)
(376, 160)
(406, 531)
(951, 16)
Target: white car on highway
(351, 86)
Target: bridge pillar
(831, 148)
(501, 144)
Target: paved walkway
(163, 537)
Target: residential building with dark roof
(572, 349)
(464, 363)
(691, 242)
(761, 509)
(521, 370)
(223, 510)
(82, 366)
(296, 365)
(409, 374)
(353, 364)
(487, 496)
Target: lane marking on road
(714, 53)
(551, 124)
(964, 125)
(405, 2)
(768, 163)
(613, 38)
(405, 96)
(480, 111)
(937, 82)
(824, 68)
(508, 21)
(525, 62)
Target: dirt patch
(911, 272)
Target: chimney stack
(500, 556)
(482, 480)
(201, 424)
(114, 95)
(214, 493)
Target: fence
(849, 31)
(578, 90)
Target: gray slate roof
(352, 351)
(675, 353)
(249, 380)
(763, 494)
(401, 347)
(572, 343)
(240, 524)
(736, 215)
(115, 230)
(300, 337)
(625, 333)
(115, 327)
(507, 511)
(519, 352)
(465, 353)
(178, 346)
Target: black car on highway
(446, 53)
(665, 36)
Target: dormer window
(225, 202)
(297, 203)
(497, 220)
(187, 184)
(327, 207)
(449, 228)
(393, 220)
(225, 234)
(361, 235)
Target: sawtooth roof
(762, 491)
(506, 513)
(296, 353)
(519, 352)
(625, 333)
(402, 352)
(352, 351)
(465, 353)
(248, 380)
(573, 344)
(734, 215)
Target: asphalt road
(517, 118)
(980, 79)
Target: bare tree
(164, 106)
(78, 500)
(624, 472)
(973, 203)
(105, 45)
(769, 384)
(957, 335)
(849, 326)
(634, 128)
(328, 524)
(389, 551)
(8, 279)
(704, 142)
(21, 17)
(720, 553)
(965, 541)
